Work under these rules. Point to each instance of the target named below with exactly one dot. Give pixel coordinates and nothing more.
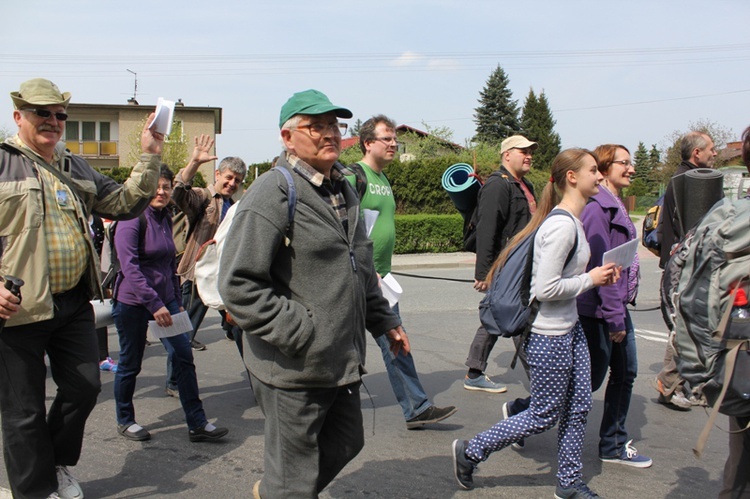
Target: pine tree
(538, 125)
(642, 162)
(497, 114)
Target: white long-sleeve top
(553, 286)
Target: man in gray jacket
(304, 296)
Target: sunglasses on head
(46, 114)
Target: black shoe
(578, 490)
(462, 467)
(203, 435)
(197, 346)
(229, 335)
(139, 436)
(431, 415)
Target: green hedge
(429, 233)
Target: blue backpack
(507, 309)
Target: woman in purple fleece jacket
(603, 311)
(147, 287)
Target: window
(104, 131)
(71, 130)
(88, 129)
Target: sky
(613, 71)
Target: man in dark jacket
(697, 151)
(505, 205)
(304, 298)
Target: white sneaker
(67, 485)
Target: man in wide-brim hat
(45, 202)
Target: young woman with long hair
(558, 358)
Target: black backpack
(507, 310)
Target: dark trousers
(132, 324)
(481, 346)
(34, 440)
(621, 361)
(196, 309)
(101, 337)
(310, 435)
(737, 467)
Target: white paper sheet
(371, 217)
(180, 324)
(391, 289)
(164, 115)
(623, 255)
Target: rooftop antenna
(135, 87)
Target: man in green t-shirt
(377, 139)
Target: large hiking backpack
(649, 233)
(207, 273)
(507, 309)
(706, 268)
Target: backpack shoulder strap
(361, 179)
(292, 207)
(573, 250)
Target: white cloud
(408, 58)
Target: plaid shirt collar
(311, 174)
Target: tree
(641, 162)
(538, 125)
(175, 152)
(497, 114)
(355, 128)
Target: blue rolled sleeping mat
(462, 186)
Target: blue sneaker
(577, 490)
(483, 384)
(108, 365)
(629, 457)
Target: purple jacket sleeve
(597, 226)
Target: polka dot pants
(560, 373)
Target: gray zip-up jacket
(304, 307)
(23, 245)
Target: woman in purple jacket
(603, 310)
(147, 287)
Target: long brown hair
(567, 160)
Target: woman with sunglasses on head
(558, 358)
(603, 311)
(147, 287)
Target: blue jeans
(560, 375)
(132, 323)
(404, 379)
(197, 312)
(621, 360)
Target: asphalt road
(440, 317)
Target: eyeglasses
(317, 130)
(623, 162)
(387, 140)
(46, 114)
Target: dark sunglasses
(46, 114)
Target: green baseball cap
(39, 92)
(310, 102)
